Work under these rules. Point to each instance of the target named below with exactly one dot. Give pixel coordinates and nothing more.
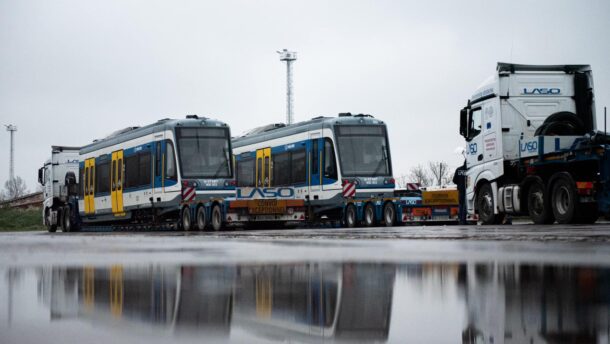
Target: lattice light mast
(11, 169)
(289, 57)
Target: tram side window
(170, 162)
(102, 182)
(281, 169)
(299, 167)
(245, 172)
(330, 164)
(145, 169)
(132, 169)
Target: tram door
(116, 183)
(263, 167)
(315, 164)
(89, 186)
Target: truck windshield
(204, 152)
(363, 150)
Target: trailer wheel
(350, 216)
(201, 218)
(486, 205)
(185, 219)
(538, 205)
(216, 218)
(389, 214)
(369, 215)
(564, 199)
(67, 224)
(47, 220)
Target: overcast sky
(74, 71)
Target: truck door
(116, 183)
(474, 151)
(315, 162)
(89, 186)
(263, 167)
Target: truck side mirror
(40, 175)
(464, 122)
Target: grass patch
(15, 219)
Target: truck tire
(539, 205)
(369, 215)
(486, 206)
(201, 218)
(67, 223)
(389, 214)
(216, 218)
(185, 219)
(563, 199)
(350, 216)
(47, 220)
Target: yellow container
(440, 197)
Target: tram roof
(131, 133)
(275, 131)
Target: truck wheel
(47, 220)
(216, 218)
(369, 215)
(389, 214)
(587, 213)
(563, 199)
(185, 219)
(67, 224)
(486, 205)
(538, 205)
(350, 216)
(201, 220)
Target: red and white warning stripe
(188, 193)
(349, 189)
(413, 186)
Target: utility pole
(289, 57)
(11, 172)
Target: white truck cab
(521, 111)
(59, 178)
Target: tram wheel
(216, 218)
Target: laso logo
(530, 146)
(541, 91)
(265, 193)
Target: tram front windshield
(363, 151)
(204, 152)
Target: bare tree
(402, 180)
(418, 174)
(14, 188)
(440, 172)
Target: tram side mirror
(464, 122)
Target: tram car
(174, 173)
(328, 169)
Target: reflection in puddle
(468, 303)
